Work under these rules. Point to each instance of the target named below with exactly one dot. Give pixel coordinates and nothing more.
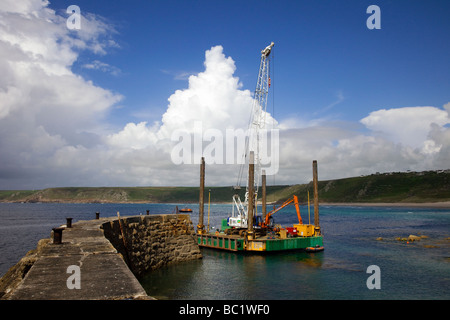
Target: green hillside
(124, 194)
(396, 187)
(429, 186)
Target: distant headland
(426, 188)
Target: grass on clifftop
(428, 186)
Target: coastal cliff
(391, 187)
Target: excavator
(267, 221)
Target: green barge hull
(263, 244)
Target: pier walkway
(83, 266)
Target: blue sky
(323, 52)
(91, 106)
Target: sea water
(355, 238)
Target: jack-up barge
(260, 236)
(245, 229)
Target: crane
(239, 216)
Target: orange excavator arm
(286, 203)
(298, 210)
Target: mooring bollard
(57, 235)
(97, 215)
(69, 222)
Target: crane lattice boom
(257, 123)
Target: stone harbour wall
(149, 242)
(106, 257)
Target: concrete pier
(86, 265)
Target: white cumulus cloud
(44, 106)
(214, 96)
(49, 118)
(409, 126)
